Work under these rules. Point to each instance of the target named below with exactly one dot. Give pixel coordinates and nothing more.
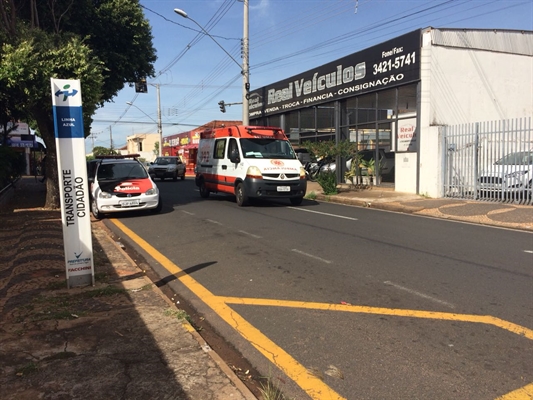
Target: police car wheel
(159, 207)
(94, 209)
(240, 195)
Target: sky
(195, 71)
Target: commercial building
(395, 96)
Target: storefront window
(407, 99)
(387, 104)
(274, 120)
(291, 128)
(366, 108)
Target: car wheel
(162, 178)
(240, 195)
(175, 177)
(94, 209)
(204, 192)
(296, 201)
(159, 207)
(183, 176)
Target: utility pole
(245, 68)
(159, 124)
(111, 137)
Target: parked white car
(511, 175)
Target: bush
(12, 165)
(328, 182)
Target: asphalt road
(346, 302)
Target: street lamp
(159, 124)
(245, 70)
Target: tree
(103, 151)
(104, 44)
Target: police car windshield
(107, 172)
(267, 148)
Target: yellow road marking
(525, 393)
(483, 319)
(313, 386)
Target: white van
(251, 162)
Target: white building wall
(462, 85)
(148, 141)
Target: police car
(119, 184)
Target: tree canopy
(103, 43)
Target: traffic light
(222, 106)
(141, 86)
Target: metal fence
(489, 161)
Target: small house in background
(143, 144)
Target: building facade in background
(142, 144)
(394, 96)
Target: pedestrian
(43, 169)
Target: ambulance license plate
(129, 203)
(284, 188)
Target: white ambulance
(250, 162)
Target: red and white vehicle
(121, 183)
(251, 162)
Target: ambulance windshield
(267, 148)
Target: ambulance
(250, 162)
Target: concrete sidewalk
(121, 339)
(385, 198)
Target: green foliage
(355, 168)
(328, 182)
(103, 151)
(37, 56)
(370, 166)
(104, 44)
(331, 149)
(310, 196)
(12, 165)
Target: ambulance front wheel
(204, 192)
(240, 195)
(296, 201)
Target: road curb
(186, 324)
(397, 206)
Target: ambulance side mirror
(234, 156)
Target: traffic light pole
(223, 106)
(245, 69)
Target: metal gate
(489, 161)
